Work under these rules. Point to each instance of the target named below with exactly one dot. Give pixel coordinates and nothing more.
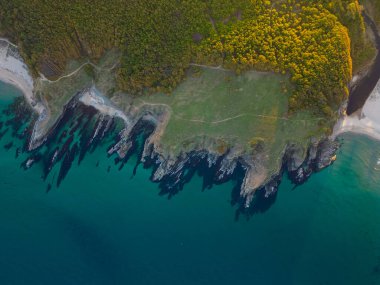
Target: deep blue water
(103, 227)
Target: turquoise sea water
(103, 227)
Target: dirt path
(43, 78)
(153, 104)
(242, 115)
(209, 66)
(8, 42)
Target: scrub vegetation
(373, 9)
(220, 110)
(316, 42)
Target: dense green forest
(312, 40)
(307, 41)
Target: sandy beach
(11, 78)
(366, 121)
(15, 72)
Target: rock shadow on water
(262, 200)
(82, 129)
(18, 116)
(196, 165)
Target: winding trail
(242, 115)
(210, 66)
(43, 78)
(154, 104)
(7, 41)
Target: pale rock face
(92, 97)
(254, 179)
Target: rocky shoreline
(170, 171)
(173, 173)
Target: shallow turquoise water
(114, 228)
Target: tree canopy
(312, 40)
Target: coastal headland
(229, 118)
(242, 132)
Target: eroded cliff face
(172, 172)
(220, 156)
